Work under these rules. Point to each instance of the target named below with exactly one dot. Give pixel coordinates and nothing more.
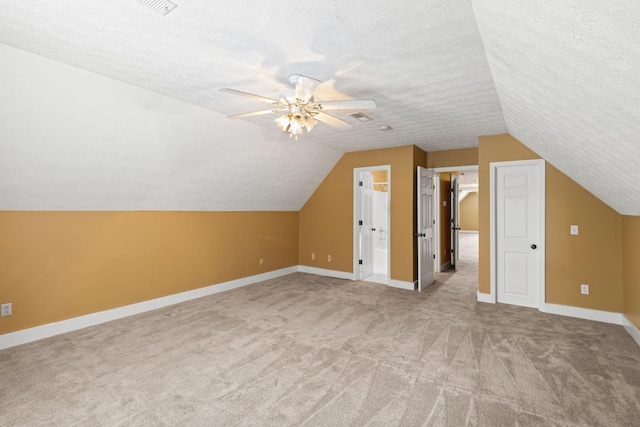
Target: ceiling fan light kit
(293, 123)
(301, 111)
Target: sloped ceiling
(568, 79)
(110, 105)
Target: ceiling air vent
(162, 6)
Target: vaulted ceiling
(112, 105)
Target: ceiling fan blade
(304, 86)
(255, 113)
(330, 120)
(347, 104)
(250, 95)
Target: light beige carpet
(314, 351)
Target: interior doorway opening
(456, 215)
(371, 208)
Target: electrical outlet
(5, 309)
(261, 261)
(584, 289)
(313, 256)
(329, 258)
(574, 230)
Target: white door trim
(436, 228)
(356, 217)
(455, 168)
(493, 166)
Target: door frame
(436, 227)
(493, 250)
(356, 217)
(439, 171)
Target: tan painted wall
(446, 158)
(469, 212)
(631, 267)
(593, 257)
(59, 265)
(326, 220)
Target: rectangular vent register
(162, 6)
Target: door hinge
(360, 222)
(360, 261)
(434, 221)
(360, 183)
(434, 256)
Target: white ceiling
(148, 129)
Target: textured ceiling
(568, 78)
(561, 78)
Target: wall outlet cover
(5, 310)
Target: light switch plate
(574, 230)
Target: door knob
(533, 246)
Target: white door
(366, 224)
(519, 232)
(455, 222)
(425, 216)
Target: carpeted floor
(309, 350)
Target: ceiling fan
(300, 110)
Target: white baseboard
(325, 272)
(481, 297)
(631, 329)
(410, 286)
(584, 313)
(45, 331)
(56, 328)
(445, 266)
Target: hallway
(464, 282)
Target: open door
(455, 222)
(365, 185)
(426, 220)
